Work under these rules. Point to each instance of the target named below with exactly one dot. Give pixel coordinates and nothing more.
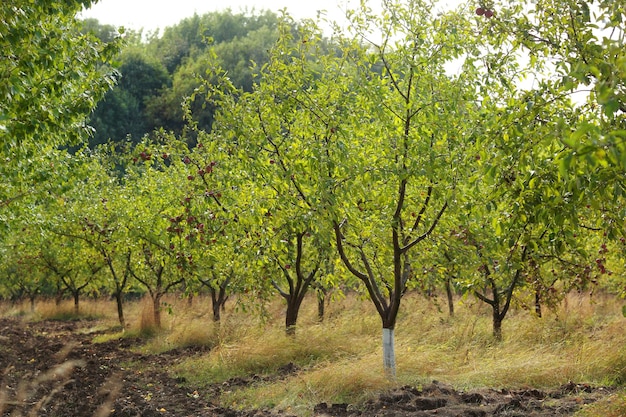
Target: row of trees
(412, 149)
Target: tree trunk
(58, 297)
(76, 295)
(497, 327)
(218, 300)
(120, 309)
(389, 352)
(497, 316)
(450, 295)
(538, 303)
(291, 317)
(321, 303)
(156, 306)
(217, 305)
(216, 311)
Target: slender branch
(418, 218)
(509, 292)
(360, 275)
(429, 231)
(483, 298)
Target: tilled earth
(52, 369)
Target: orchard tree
(364, 141)
(72, 265)
(401, 147)
(439, 269)
(21, 277)
(209, 233)
(524, 210)
(152, 223)
(585, 41)
(52, 77)
(584, 44)
(98, 210)
(272, 135)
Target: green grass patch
(107, 337)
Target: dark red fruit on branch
(480, 11)
(489, 14)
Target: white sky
(153, 14)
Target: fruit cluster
(488, 13)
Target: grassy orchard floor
(339, 360)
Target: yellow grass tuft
(89, 309)
(349, 380)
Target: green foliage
(125, 109)
(265, 155)
(104, 32)
(584, 44)
(52, 76)
(159, 75)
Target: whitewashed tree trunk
(389, 353)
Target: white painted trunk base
(389, 353)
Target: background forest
(157, 72)
(476, 153)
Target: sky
(153, 14)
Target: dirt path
(52, 369)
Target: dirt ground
(52, 369)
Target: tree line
(156, 72)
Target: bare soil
(52, 368)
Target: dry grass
(583, 344)
(340, 360)
(89, 309)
